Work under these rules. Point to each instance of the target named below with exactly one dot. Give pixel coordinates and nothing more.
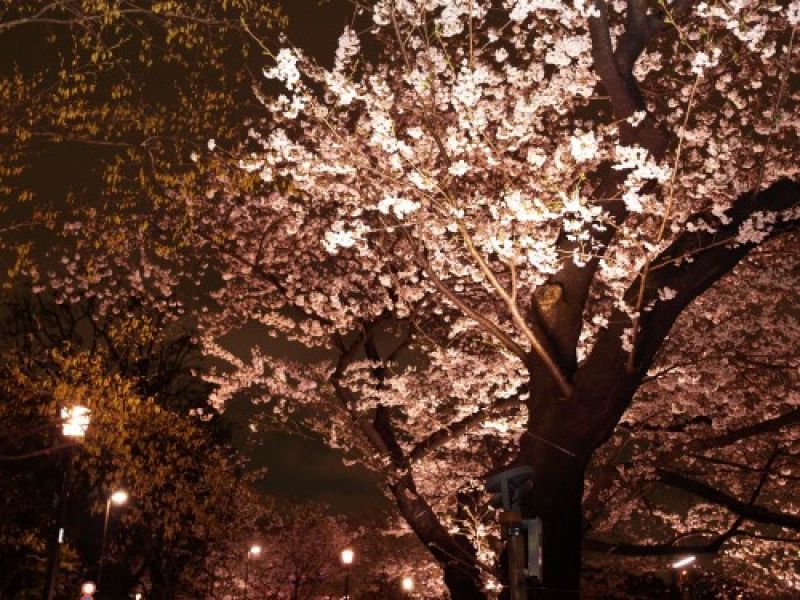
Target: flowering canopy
(489, 205)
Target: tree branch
(785, 420)
(615, 69)
(43, 452)
(747, 511)
(697, 260)
(440, 437)
(487, 324)
(691, 265)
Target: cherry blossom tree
(559, 234)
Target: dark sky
(315, 25)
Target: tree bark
(558, 495)
(456, 556)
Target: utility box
(523, 537)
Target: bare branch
(746, 510)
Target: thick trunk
(556, 498)
(455, 555)
(556, 446)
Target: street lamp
(347, 557)
(74, 423)
(88, 589)
(407, 584)
(680, 578)
(253, 552)
(119, 498)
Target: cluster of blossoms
(421, 193)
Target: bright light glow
(684, 561)
(408, 584)
(88, 588)
(75, 421)
(138, 597)
(119, 497)
(255, 550)
(347, 556)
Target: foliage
(106, 103)
(189, 493)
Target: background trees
(105, 103)
(188, 492)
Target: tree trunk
(455, 555)
(555, 445)
(557, 499)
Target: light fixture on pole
(87, 590)
(119, 498)
(347, 557)
(253, 552)
(74, 423)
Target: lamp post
(74, 423)
(119, 498)
(679, 569)
(347, 557)
(253, 552)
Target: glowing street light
(407, 584)
(88, 589)
(75, 421)
(254, 551)
(119, 498)
(683, 562)
(347, 556)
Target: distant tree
(300, 558)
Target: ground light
(685, 561)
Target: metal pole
(511, 524)
(103, 544)
(246, 573)
(54, 557)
